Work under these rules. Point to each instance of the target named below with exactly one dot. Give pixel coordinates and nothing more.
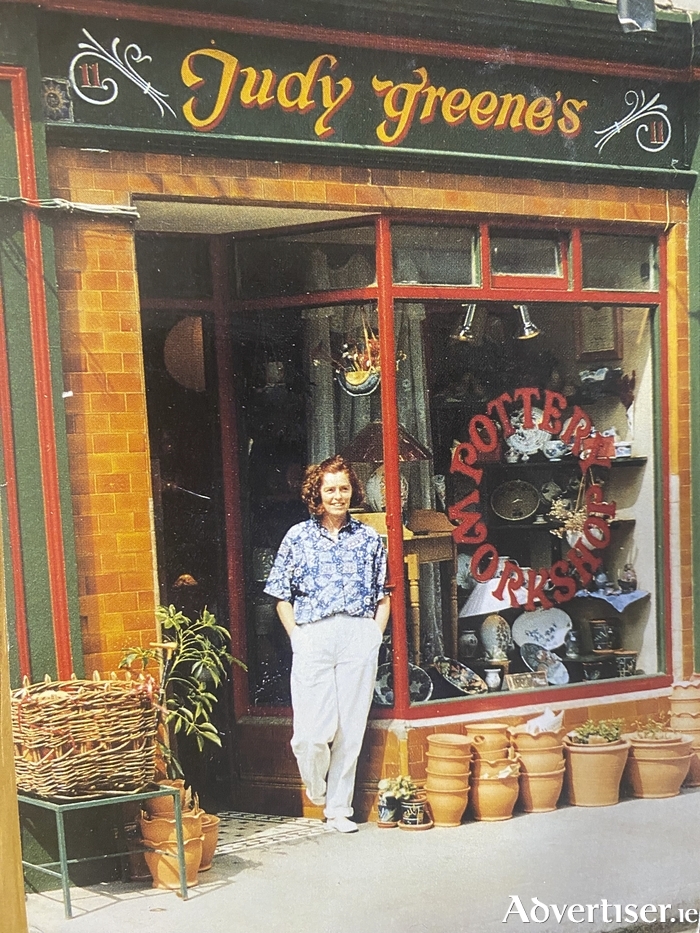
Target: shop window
(298, 263)
(521, 254)
(434, 255)
(173, 266)
(544, 463)
(622, 263)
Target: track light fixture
(466, 332)
(637, 15)
(530, 329)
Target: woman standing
(328, 578)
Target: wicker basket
(81, 737)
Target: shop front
(467, 273)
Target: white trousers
(334, 669)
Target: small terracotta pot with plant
(659, 759)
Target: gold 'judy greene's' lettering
(485, 109)
(294, 92)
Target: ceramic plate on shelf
(460, 676)
(538, 658)
(515, 500)
(544, 627)
(420, 686)
(527, 441)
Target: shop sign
(550, 585)
(139, 76)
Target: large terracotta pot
(494, 798)
(673, 747)
(210, 834)
(447, 806)
(686, 690)
(541, 760)
(157, 829)
(685, 699)
(524, 741)
(488, 738)
(163, 864)
(437, 781)
(165, 806)
(693, 778)
(539, 792)
(656, 777)
(449, 744)
(448, 764)
(593, 772)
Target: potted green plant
(193, 660)
(596, 755)
(659, 758)
(399, 796)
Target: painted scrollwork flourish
(132, 55)
(654, 131)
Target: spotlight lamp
(466, 332)
(530, 329)
(637, 15)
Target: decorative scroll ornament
(89, 79)
(652, 119)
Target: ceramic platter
(544, 627)
(540, 659)
(515, 500)
(420, 686)
(527, 441)
(460, 677)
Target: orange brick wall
(99, 307)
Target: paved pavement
(290, 877)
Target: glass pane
(620, 262)
(304, 393)
(296, 263)
(525, 255)
(521, 503)
(430, 255)
(173, 266)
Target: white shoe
(341, 824)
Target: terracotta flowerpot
(693, 778)
(674, 747)
(210, 834)
(656, 777)
(165, 806)
(541, 760)
(437, 781)
(487, 738)
(157, 829)
(539, 793)
(685, 704)
(449, 744)
(524, 741)
(448, 764)
(447, 806)
(484, 768)
(593, 772)
(493, 799)
(163, 864)
(686, 722)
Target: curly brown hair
(313, 480)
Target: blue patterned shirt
(321, 577)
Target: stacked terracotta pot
(495, 773)
(685, 718)
(159, 835)
(542, 767)
(447, 787)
